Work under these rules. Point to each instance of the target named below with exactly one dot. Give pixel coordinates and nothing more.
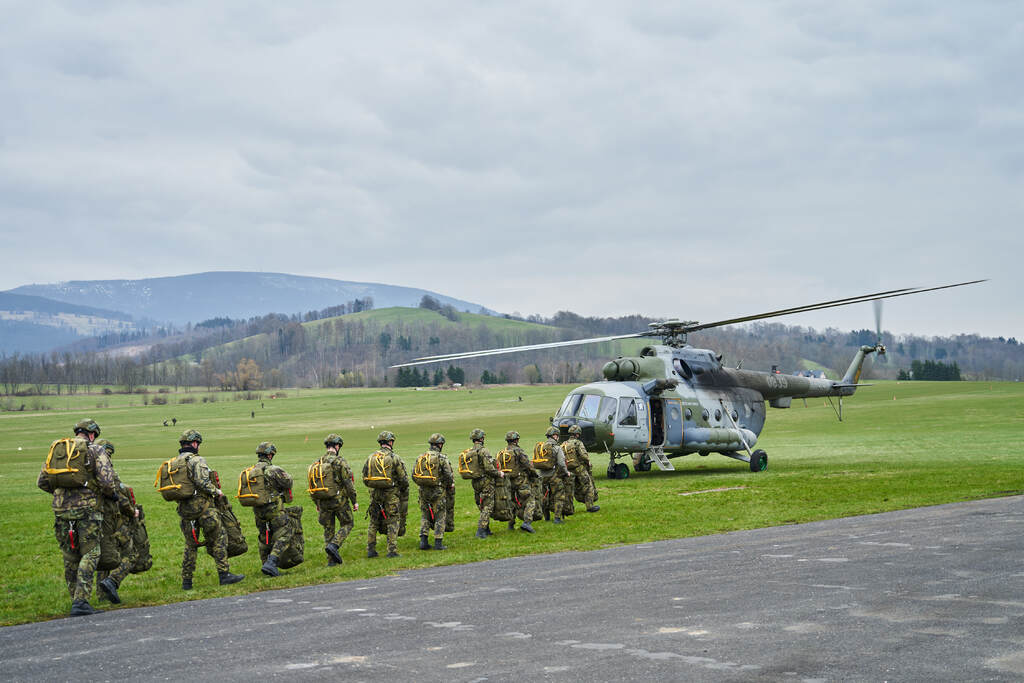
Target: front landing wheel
(758, 461)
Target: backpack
(173, 480)
(68, 463)
(427, 471)
(469, 464)
(141, 559)
(570, 455)
(232, 528)
(506, 461)
(252, 486)
(544, 456)
(294, 554)
(322, 483)
(503, 510)
(110, 553)
(378, 471)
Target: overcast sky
(692, 160)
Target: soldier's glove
(220, 494)
(355, 506)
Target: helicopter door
(673, 422)
(657, 422)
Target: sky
(689, 160)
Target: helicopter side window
(627, 412)
(569, 406)
(606, 413)
(588, 409)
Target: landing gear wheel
(758, 461)
(618, 471)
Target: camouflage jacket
(80, 501)
(342, 475)
(579, 453)
(560, 468)
(278, 481)
(120, 502)
(446, 478)
(522, 468)
(398, 475)
(199, 473)
(486, 460)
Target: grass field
(901, 445)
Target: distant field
(901, 445)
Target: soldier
(116, 512)
(514, 461)
(338, 507)
(77, 517)
(433, 476)
(477, 464)
(553, 477)
(385, 475)
(583, 471)
(199, 513)
(274, 526)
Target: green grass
(901, 445)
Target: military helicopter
(674, 400)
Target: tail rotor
(879, 346)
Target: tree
(532, 373)
(456, 375)
(430, 303)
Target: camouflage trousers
(522, 498)
(433, 511)
(123, 539)
(483, 491)
(205, 529)
(275, 531)
(79, 541)
(585, 491)
(554, 496)
(331, 511)
(385, 517)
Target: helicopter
(674, 399)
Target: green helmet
(266, 448)
(190, 435)
(512, 436)
(334, 440)
(106, 444)
(552, 431)
(87, 425)
(575, 430)
(436, 439)
(385, 436)
(477, 435)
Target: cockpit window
(627, 412)
(569, 405)
(588, 409)
(606, 413)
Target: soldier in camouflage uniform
(340, 507)
(273, 524)
(386, 503)
(483, 486)
(199, 514)
(77, 518)
(116, 510)
(434, 499)
(520, 476)
(554, 488)
(581, 469)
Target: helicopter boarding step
(657, 456)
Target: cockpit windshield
(588, 407)
(569, 405)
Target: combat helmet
(512, 435)
(266, 448)
(575, 430)
(190, 435)
(385, 436)
(552, 431)
(334, 440)
(436, 439)
(106, 444)
(477, 435)
(87, 425)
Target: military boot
(226, 579)
(333, 556)
(392, 553)
(371, 550)
(270, 566)
(481, 533)
(487, 529)
(512, 525)
(557, 520)
(186, 584)
(593, 508)
(439, 544)
(527, 527)
(108, 589)
(424, 543)
(81, 608)
(547, 515)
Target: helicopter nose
(588, 435)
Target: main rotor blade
(827, 304)
(514, 349)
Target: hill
(35, 324)
(192, 298)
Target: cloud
(608, 158)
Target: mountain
(34, 324)
(201, 296)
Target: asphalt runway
(930, 594)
